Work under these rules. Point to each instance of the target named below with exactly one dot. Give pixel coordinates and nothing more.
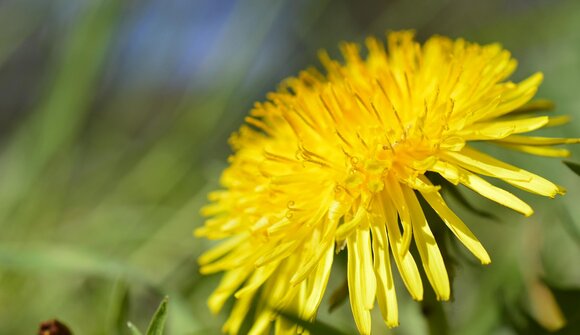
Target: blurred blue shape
(169, 40)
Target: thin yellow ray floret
(538, 150)
(527, 181)
(535, 140)
(404, 261)
(458, 175)
(501, 129)
(386, 295)
(456, 225)
(427, 246)
(361, 280)
(316, 285)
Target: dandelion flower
(339, 160)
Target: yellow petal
(501, 129)
(518, 97)
(531, 182)
(259, 276)
(404, 261)
(228, 284)
(277, 292)
(534, 140)
(235, 258)
(234, 322)
(317, 285)
(486, 189)
(346, 228)
(427, 246)
(544, 306)
(537, 150)
(220, 250)
(262, 323)
(558, 121)
(456, 225)
(534, 106)
(361, 283)
(278, 252)
(326, 242)
(470, 162)
(404, 217)
(366, 268)
(447, 170)
(417, 183)
(386, 295)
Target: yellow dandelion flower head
(339, 160)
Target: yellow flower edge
(338, 160)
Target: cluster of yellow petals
(339, 160)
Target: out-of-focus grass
(101, 182)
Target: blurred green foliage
(115, 117)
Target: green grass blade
(158, 322)
(118, 308)
(134, 330)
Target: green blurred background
(114, 119)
